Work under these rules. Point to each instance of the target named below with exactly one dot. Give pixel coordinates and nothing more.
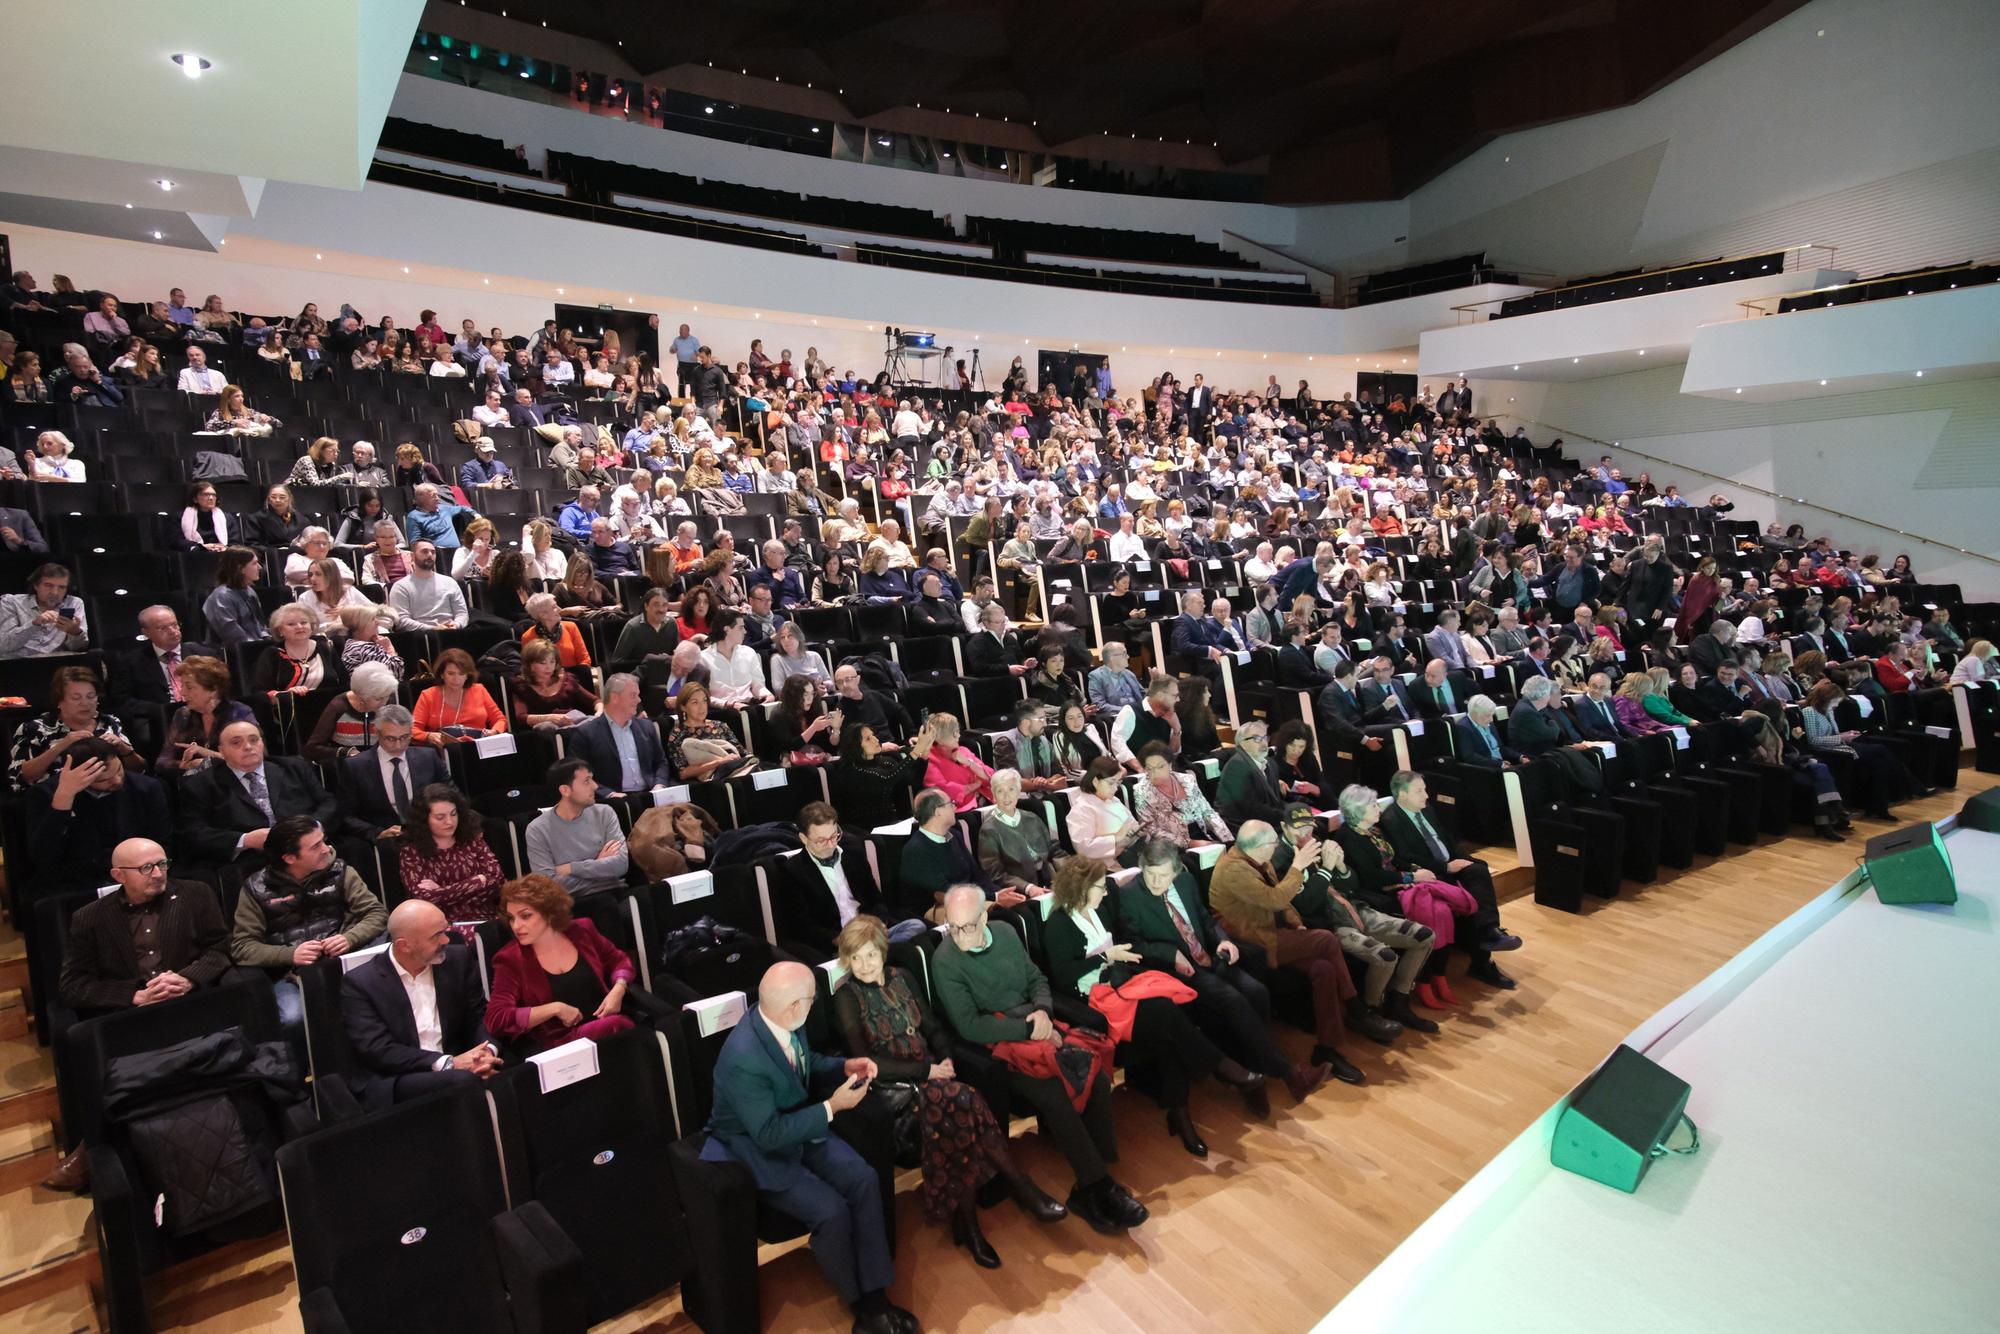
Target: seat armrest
(544, 1272)
(320, 1313)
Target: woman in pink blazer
(559, 980)
(954, 769)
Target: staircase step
(38, 1229)
(27, 1152)
(36, 1106)
(52, 1296)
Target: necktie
(170, 660)
(1444, 698)
(1196, 954)
(1605, 710)
(798, 1053)
(399, 785)
(1431, 838)
(254, 780)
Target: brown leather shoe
(71, 1175)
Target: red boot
(1428, 998)
(1443, 988)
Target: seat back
(594, 1154)
(392, 1214)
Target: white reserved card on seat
(1610, 748)
(1486, 672)
(353, 959)
(1416, 726)
(691, 886)
(1680, 738)
(718, 1014)
(491, 747)
(1939, 731)
(571, 1063)
(836, 973)
(667, 796)
(765, 779)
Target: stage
(1845, 1083)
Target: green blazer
(1139, 918)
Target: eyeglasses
(145, 868)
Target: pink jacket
(962, 777)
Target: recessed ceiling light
(708, 111)
(1003, 164)
(559, 291)
(488, 282)
(192, 65)
(884, 142)
(1920, 375)
(1822, 384)
(526, 75)
(1642, 351)
(406, 268)
(159, 237)
(1517, 368)
(816, 131)
(1739, 391)
(318, 256)
(164, 183)
(947, 154)
(128, 206)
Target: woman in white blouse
(1978, 664)
(545, 559)
(1101, 826)
(329, 588)
(53, 462)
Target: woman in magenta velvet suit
(559, 980)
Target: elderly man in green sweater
(990, 992)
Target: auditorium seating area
(1441, 275)
(1218, 513)
(1624, 285)
(1934, 278)
(1013, 240)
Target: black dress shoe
(1499, 940)
(1342, 1069)
(965, 1232)
(907, 1322)
(1248, 1083)
(1124, 1205)
(1376, 1027)
(1489, 973)
(1397, 1007)
(1181, 1124)
(879, 1323)
(1090, 1206)
(1035, 1202)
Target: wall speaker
(1911, 866)
(1982, 812)
(1618, 1120)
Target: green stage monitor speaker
(1982, 812)
(1911, 866)
(1618, 1120)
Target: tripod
(893, 364)
(977, 378)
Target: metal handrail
(1734, 484)
(1655, 273)
(1756, 304)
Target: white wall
(1881, 137)
(1920, 458)
(516, 121)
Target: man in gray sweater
(576, 841)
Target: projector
(911, 338)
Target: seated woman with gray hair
(1382, 885)
(1016, 847)
(347, 724)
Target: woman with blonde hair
(233, 416)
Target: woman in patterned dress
(882, 1016)
(443, 859)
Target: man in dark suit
(1188, 635)
(408, 1009)
(311, 359)
(1295, 662)
(376, 784)
(143, 691)
(621, 743)
(80, 812)
(1384, 697)
(1339, 710)
(1649, 583)
(767, 1117)
(19, 533)
(1475, 742)
(1162, 916)
(1420, 845)
(227, 810)
(824, 886)
(1248, 789)
(1438, 696)
(1200, 404)
(1595, 718)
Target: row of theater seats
(1013, 239)
(1440, 275)
(1936, 278)
(1629, 283)
(1096, 280)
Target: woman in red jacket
(1697, 601)
(559, 980)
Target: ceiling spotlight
(318, 256)
(158, 236)
(1822, 384)
(1003, 164)
(164, 183)
(1517, 368)
(708, 111)
(559, 291)
(487, 282)
(192, 65)
(1920, 375)
(946, 154)
(1574, 360)
(526, 75)
(128, 206)
(406, 268)
(815, 129)
(1642, 351)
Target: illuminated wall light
(1739, 391)
(128, 206)
(1920, 375)
(158, 236)
(192, 65)
(406, 268)
(1822, 384)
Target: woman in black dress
(1121, 614)
(882, 1016)
(875, 784)
(1199, 735)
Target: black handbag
(897, 1103)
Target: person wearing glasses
(157, 940)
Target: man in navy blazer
(596, 742)
(1189, 635)
(1384, 697)
(369, 808)
(1475, 742)
(411, 1007)
(767, 1118)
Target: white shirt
(836, 884)
(1128, 546)
(384, 761)
(736, 677)
(421, 988)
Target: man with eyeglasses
(991, 992)
(376, 784)
(154, 939)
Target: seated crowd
(1013, 645)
